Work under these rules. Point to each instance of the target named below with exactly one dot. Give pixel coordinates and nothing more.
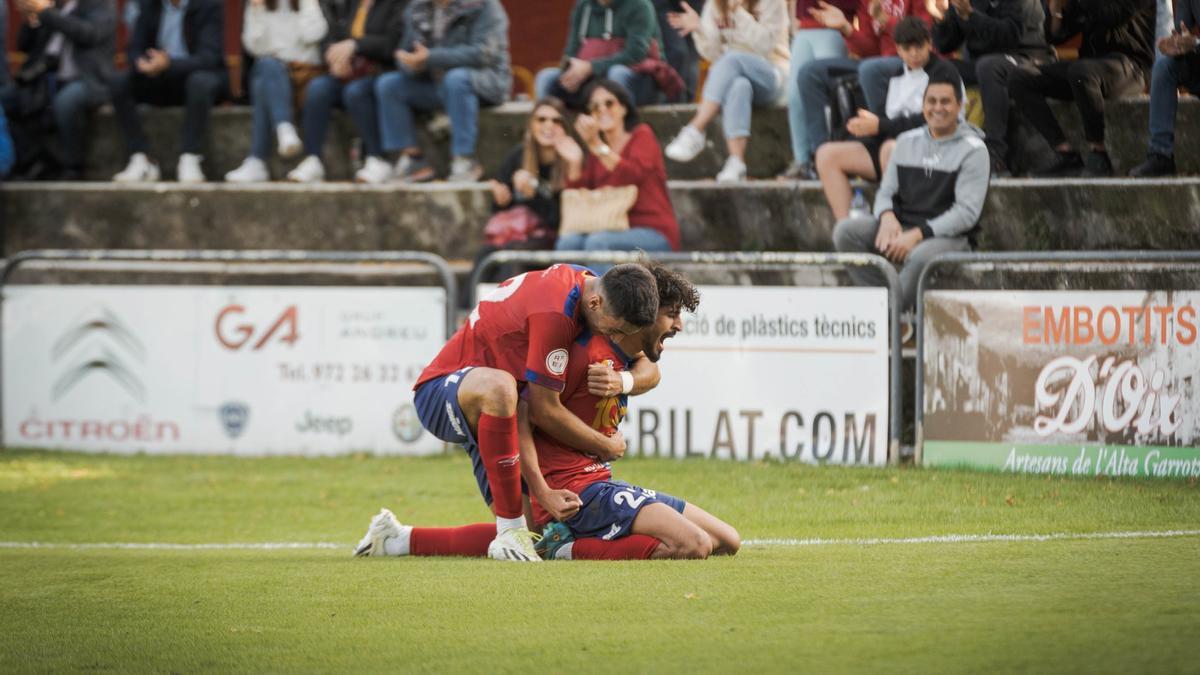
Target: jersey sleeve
(550, 336)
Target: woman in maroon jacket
(620, 152)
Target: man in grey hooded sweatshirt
(931, 196)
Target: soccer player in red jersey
(618, 520)
(521, 334)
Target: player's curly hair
(674, 289)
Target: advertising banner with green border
(1057, 382)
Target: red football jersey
(525, 327)
(563, 467)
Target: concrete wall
(763, 215)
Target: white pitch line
(933, 539)
(973, 538)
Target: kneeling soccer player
(617, 521)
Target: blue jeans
(72, 104)
(634, 238)
(1168, 75)
(874, 75)
(1164, 19)
(357, 97)
(813, 81)
(399, 93)
(641, 87)
(809, 44)
(738, 81)
(271, 95)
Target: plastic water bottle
(858, 207)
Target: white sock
(398, 545)
(503, 524)
(564, 551)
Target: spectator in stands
(994, 39)
(176, 57)
(358, 47)
(931, 196)
(867, 155)
(527, 187)
(454, 55)
(1178, 67)
(7, 156)
(746, 43)
(614, 39)
(877, 21)
(1115, 57)
(620, 152)
(816, 37)
(747, 46)
(285, 38)
(678, 50)
(875, 71)
(70, 48)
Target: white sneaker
(188, 170)
(374, 172)
(311, 170)
(734, 171)
(252, 170)
(139, 170)
(464, 170)
(384, 526)
(514, 544)
(287, 141)
(685, 146)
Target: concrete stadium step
(502, 127)
(1021, 214)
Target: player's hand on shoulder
(560, 504)
(603, 380)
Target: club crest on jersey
(556, 361)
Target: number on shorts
(627, 498)
(499, 294)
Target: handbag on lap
(604, 209)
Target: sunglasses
(548, 118)
(603, 105)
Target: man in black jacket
(1114, 60)
(1179, 66)
(73, 43)
(996, 37)
(175, 57)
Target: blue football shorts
(437, 407)
(610, 507)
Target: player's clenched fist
(603, 381)
(560, 504)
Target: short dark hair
(620, 93)
(674, 289)
(945, 78)
(911, 32)
(631, 294)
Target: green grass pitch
(1065, 605)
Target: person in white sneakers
(747, 43)
(175, 57)
(285, 37)
(358, 47)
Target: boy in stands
(610, 519)
(522, 333)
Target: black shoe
(1155, 165)
(1064, 164)
(800, 171)
(1097, 165)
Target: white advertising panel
(243, 370)
(789, 373)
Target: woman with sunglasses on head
(620, 152)
(526, 189)
(747, 43)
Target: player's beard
(654, 351)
